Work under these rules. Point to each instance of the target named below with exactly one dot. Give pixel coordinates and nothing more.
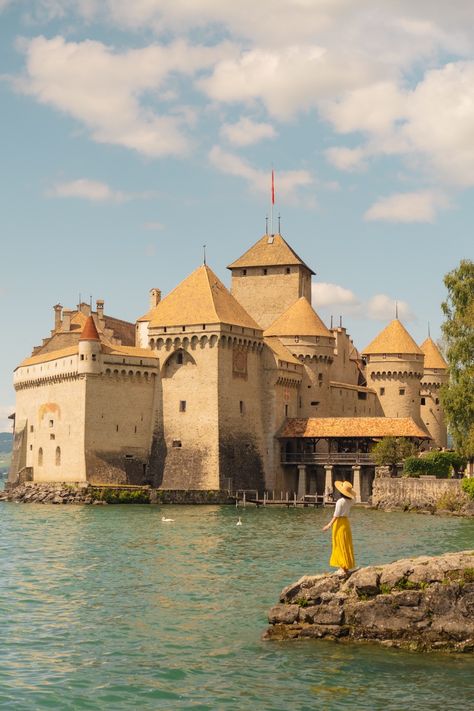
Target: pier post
(356, 482)
(328, 480)
(301, 480)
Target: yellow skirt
(342, 555)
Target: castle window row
(57, 456)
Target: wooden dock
(252, 496)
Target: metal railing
(326, 458)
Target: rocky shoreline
(421, 604)
(62, 493)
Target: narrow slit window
(182, 405)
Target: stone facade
(194, 394)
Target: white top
(343, 507)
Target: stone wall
(425, 493)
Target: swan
(166, 520)
(239, 522)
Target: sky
(133, 133)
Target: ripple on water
(107, 608)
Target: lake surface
(109, 608)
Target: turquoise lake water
(109, 608)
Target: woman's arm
(328, 525)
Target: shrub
(468, 487)
(450, 501)
(121, 496)
(438, 464)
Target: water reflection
(106, 607)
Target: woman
(342, 555)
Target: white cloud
(324, 294)
(419, 206)
(86, 189)
(346, 158)
(288, 183)
(102, 88)
(287, 80)
(379, 307)
(5, 423)
(383, 308)
(246, 132)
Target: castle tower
(303, 333)
(89, 349)
(394, 368)
(268, 278)
(210, 351)
(435, 375)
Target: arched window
(58, 456)
(40, 457)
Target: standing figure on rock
(342, 555)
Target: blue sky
(133, 133)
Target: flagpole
(272, 202)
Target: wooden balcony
(348, 458)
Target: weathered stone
(283, 614)
(399, 604)
(364, 581)
(321, 614)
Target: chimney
(100, 309)
(155, 297)
(66, 325)
(57, 316)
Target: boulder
(417, 603)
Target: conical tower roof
(393, 339)
(269, 251)
(89, 332)
(299, 320)
(433, 357)
(201, 298)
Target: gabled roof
(49, 356)
(433, 357)
(348, 427)
(393, 339)
(269, 251)
(201, 298)
(89, 332)
(300, 319)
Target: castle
(214, 389)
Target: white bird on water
(239, 522)
(166, 520)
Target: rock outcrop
(416, 603)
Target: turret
(269, 278)
(90, 356)
(435, 375)
(303, 333)
(394, 368)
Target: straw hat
(345, 487)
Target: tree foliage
(390, 451)
(438, 464)
(458, 333)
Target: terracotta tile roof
(353, 427)
(269, 251)
(200, 299)
(393, 339)
(89, 332)
(51, 355)
(130, 351)
(298, 320)
(433, 357)
(281, 351)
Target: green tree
(458, 333)
(390, 451)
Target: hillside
(6, 439)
